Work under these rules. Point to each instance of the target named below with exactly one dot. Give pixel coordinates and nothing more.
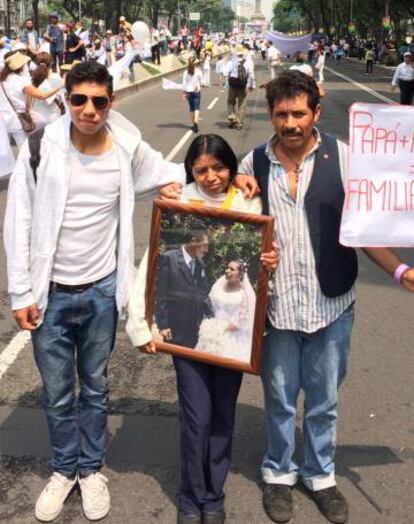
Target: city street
(375, 458)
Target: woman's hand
(148, 348)
(271, 259)
(231, 327)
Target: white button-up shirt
(403, 72)
(295, 300)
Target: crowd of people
(70, 258)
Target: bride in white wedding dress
(229, 332)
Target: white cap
(303, 68)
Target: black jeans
(155, 54)
(207, 397)
(57, 57)
(406, 92)
(370, 67)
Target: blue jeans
(77, 335)
(316, 363)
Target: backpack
(241, 81)
(35, 139)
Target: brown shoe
(277, 502)
(332, 504)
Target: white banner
(379, 186)
(289, 45)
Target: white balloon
(140, 31)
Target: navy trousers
(207, 403)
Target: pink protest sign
(379, 183)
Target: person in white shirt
(69, 241)
(404, 78)
(273, 59)
(320, 64)
(241, 80)
(15, 89)
(207, 69)
(192, 81)
(46, 111)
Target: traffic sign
(195, 17)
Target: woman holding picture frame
(207, 394)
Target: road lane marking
(178, 146)
(213, 103)
(10, 353)
(362, 86)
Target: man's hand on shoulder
(171, 191)
(27, 318)
(247, 184)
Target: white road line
(361, 86)
(213, 103)
(9, 354)
(178, 146)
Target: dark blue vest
(336, 265)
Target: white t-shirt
(13, 85)
(193, 82)
(86, 248)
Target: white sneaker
(50, 502)
(95, 496)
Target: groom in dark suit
(182, 291)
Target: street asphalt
(375, 458)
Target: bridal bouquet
(213, 336)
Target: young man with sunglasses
(70, 256)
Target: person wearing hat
(404, 78)
(14, 93)
(54, 35)
(241, 79)
(124, 26)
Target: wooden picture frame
(231, 236)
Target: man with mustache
(311, 309)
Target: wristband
(399, 271)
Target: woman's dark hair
(89, 72)
(290, 84)
(213, 145)
(191, 66)
(43, 61)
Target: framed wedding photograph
(206, 289)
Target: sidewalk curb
(134, 88)
(123, 92)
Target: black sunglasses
(100, 102)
